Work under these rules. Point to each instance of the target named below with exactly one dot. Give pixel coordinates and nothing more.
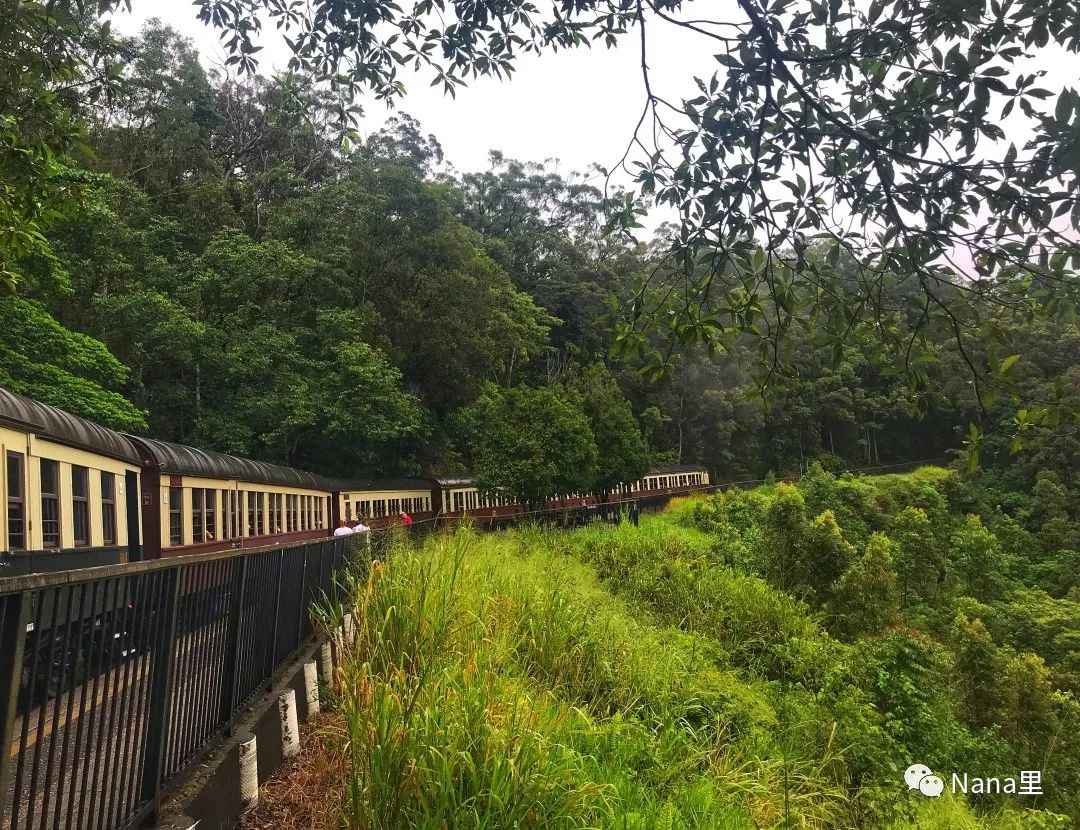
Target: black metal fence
(114, 681)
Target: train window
(198, 515)
(80, 505)
(258, 512)
(16, 502)
(108, 509)
(225, 530)
(459, 500)
(209, 515)
(252, 522)
(290, 503)
(176, 518)
(50, 504)
(235, 516)
(319, 510)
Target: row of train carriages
(77, 495)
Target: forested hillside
(227, 273)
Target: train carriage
(461, 496)
(674, 478)
(70, 490)
(198, 501)
(378, 502)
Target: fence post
(303, 597)
(277, 615)
(13, 623)
(232, 642)
(160, 686)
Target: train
(77, 494)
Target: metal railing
(114, 681)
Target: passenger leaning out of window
(406, 519)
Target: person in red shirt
(406, 519)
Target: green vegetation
(832, 163)
(360, 307)
(745, 660)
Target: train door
(134, 515)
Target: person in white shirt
(343, 529)
(360, 527)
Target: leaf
(1007, 364)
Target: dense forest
(228, 273)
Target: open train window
(50, 503)
(226, 531)
(234, 514)
(209, 515)
(108, 509)
(258, 512)
(252, 525)
(198, 515)
(16, 502)
(176, 518)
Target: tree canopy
(873, 131)
(212, 232)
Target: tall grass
(610, 677)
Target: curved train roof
(176, 459)
(377, 484)
(668, 469)
(62, 427)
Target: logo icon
(920, 777)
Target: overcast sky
(578, 106)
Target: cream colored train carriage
(196, 501)
(379, 502)
(70, 490)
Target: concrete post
(290, 729)
(311, 688)
(349, 631)
(326, 664)
(249, 773)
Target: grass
(613, 677)
(495, 682)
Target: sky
(578, 106)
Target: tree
(920, 563)
(867, 599)
(865, 128)
(43, 360)
(976, 557)
(826, 553)
(531, 443)
(53, 58)
(623, 454)
(780, 549)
